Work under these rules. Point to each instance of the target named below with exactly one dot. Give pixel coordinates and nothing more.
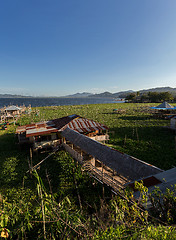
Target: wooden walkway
(116, 182)
(101, 173)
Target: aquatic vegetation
(61, 201)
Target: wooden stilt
(31, 158)
(30, 169)
(79, 198)
(103, 190)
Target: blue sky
(55, 48)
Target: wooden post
(103, 190)
(31, 164)
(102, 170)
(113, 174)
(30, 169)
(82, 157)
(93, 161)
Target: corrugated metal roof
(20, 129)
(167, 180)
(40, 131)
(12, 108)
(37, 129)
(84, 125)
(74, 122)
(61, 122)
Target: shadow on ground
(154, 145)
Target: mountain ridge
(106, 94)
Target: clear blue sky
(54, 47)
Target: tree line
(151, 97)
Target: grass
(134, 132)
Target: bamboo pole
(38, 164)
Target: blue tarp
(164, 106)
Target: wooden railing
(103, 177)
(76, 155)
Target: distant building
(11, 113)
(13, 110)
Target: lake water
(41, 102)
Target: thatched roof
(124, 164)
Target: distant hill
(102, 95)
(13, 96)
(112, 95)
(79, 95)
(123, 94)
(159, 89)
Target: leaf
(4, 233)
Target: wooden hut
(48, 133)
(12, 112)
(40, 135)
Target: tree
(153, 97)
(166, 96)
(131, 97)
